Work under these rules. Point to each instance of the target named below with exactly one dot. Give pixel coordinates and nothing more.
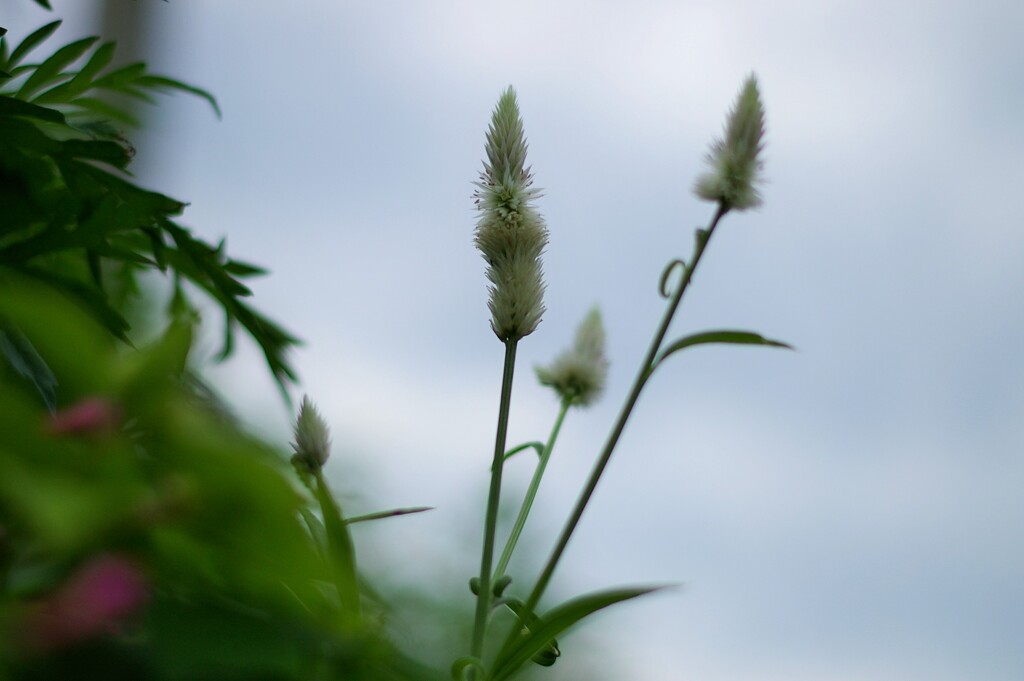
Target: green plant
(72, 217)
(144, 534)
(511, 238)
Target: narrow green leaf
(82, 80)
(726, 336)
(98, 106)
(244, 269)
(9, 106)
(539, 446)
(342, 554)
(316, 531)
(30, 43)
(121, 76)
(45, 4)
(24, 359)
(50, 70)
(156, 82)
(97, 150)
(550, 653)
(546, 628)
(388, 514)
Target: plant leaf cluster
(74, 219)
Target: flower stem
(341, 554)
(638, 385)
(483, 603)
(531, 494)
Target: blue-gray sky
(850, 511)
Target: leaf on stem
(31, 42)
(342, 554)
(724, 336)
(25, 360)
(539, 446)
(50, 70)
(379, 515)
(543, 631)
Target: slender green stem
(341, 552)
(620, 424)
(531, 494)
(483, 602)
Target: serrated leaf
(171, 84)
(552, 624)
(24, 359)
(82, 80)
(50, 70)
(724, 336)
(31, 42)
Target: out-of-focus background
(850, 511)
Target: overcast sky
(850, 511)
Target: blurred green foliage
(143, 535)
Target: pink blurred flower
(95, 600)
(93, 415)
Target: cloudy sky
(850, 511)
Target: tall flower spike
(312, 437)
(510, 233)
(735, 168)
(578, 374)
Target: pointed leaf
(388, 514)
(244, 269)
(121, 76)
(98, 106)
(539, 446)
(342, 554)
(82, 80)
(727, 336)
(30, 43)
(50, 69)
(9, 106)
(24, 359)
(171, 84)
(553, 623)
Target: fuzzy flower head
(735, 168)
(312, 437)
(510, 233)
(578, 374)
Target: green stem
(531, 493)
(483, 602)
(342, 554)
(613, 438)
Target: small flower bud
(312, 437)
(735, 168)
(578, 374)
(510, 233)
